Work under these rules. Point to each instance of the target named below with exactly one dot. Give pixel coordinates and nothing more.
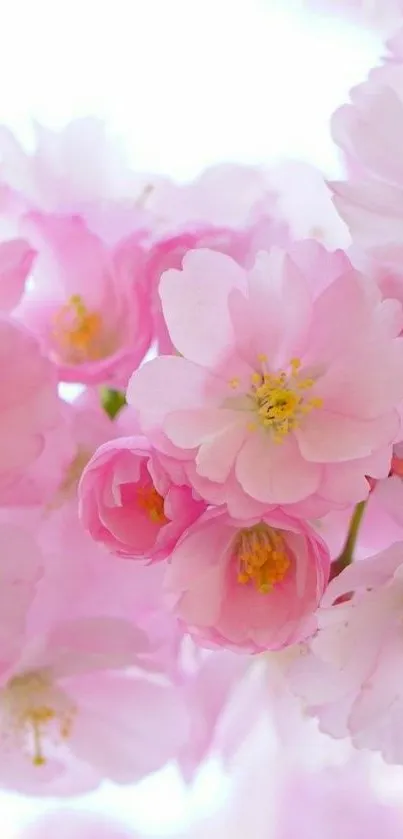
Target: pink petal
(275, 472)
(195, 305)
(167, 384)
(325, 436)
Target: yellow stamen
(152, 503)
(279, 399)
(262, 556)
(79, 332)
(234, 383)
(33, 709)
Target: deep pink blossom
(130, 504)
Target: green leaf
(112, 401)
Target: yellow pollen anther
(262, 555)
(279, 399)
(152, 503)
(234, 383)
(262, 358)
(79, 332)
(256, 378)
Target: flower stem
(347, 554)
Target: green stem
(347, 554)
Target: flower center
(262, 555)
(280, 398)
(79, 332)
(152, 503)
(34, 708)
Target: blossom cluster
(210, 522)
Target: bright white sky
(187, 83)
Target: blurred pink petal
(76, 824)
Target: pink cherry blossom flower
(231, 209)
(226, 196)
(349, 675)
(304, 201)
(79, 170)
(88, 305)
(168, 253)
(76, 824)
(130, 504)
(69, 702)
(31, 413)
(275, 400)
(250, 586)
(368, 131)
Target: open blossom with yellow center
(80, 333)
(281, 399)
(262, 555)
(34, 710)
(152, 503)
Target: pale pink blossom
(71, 713)
(229, 208)
(288, 385)
(31, 413)
(268, 797)
(168, 253)
(78, 170)
(304, 201)
(76, 824)
(88, 304)
(349, 675)
(248, 585)
(369, 131)
(227, 196)
(334, 802)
